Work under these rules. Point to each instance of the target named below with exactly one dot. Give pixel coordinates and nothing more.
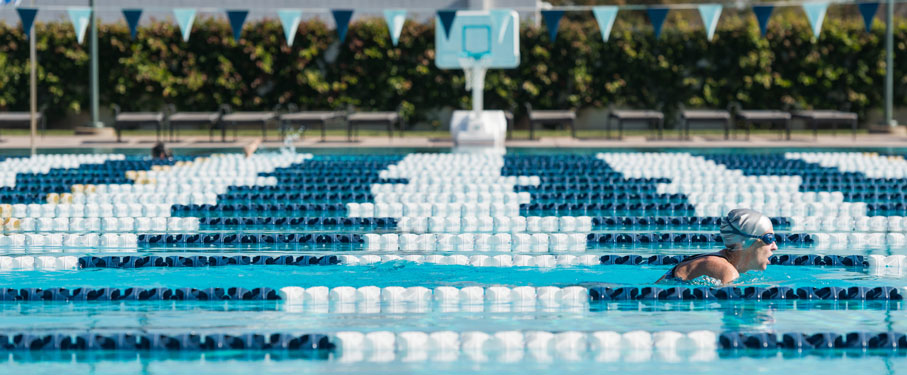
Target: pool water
(436, 262)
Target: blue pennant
(27, 16)
(342, 19)
(657, 16)
(552, 20)
(763, 13)
(132, 17)
(868, 10)
(605, 16)
(447, 20)
(237, 19)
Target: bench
(771, 117)
(833, 118)
(567, 117)
(236, 119)
(704, 115)
(132, 120)
(622, 115)
(358, 119)
(185, 119)
(10, 119)
(321, 118)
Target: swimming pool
(439, 262)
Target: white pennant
(395, 19)
(80, 18)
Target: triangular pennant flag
(132, 17)
(80, 17)
(289, 19)
(342, 19)
(605, 16)
(552, 20)
(710, 14)
(447, 19)
(237, 18)
(184, 18)
(868, 10)
(657, 17)
(395, 19)
(763, 13)
(815, 13)
(27, 16)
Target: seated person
(749, 241)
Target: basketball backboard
(487, 37)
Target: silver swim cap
(745, 221)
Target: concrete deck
(756, 141)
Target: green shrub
(843, 69)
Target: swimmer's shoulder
(713, 266)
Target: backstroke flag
(342, 19)
(710, 14)
(868, 10)
(763, 13)
(184, 18)
(552, 21)
(815, 12)
(27, 16)
(447, 18)
(289, 19)
(237, 18)
(80, 17)
(605, 16)
(395, 19)
(132, 17)
(657, 17)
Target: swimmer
(159, 151)
(749, 241)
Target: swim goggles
(768, 238)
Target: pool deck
(413, 141)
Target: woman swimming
(749, 241)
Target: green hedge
(843, 69)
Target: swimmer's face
(762, 252)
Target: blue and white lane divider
(475, 345)
(10, 167)
(714, 189)
(881, 265)
(871, 165)
(545, 296)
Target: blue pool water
(393, 261)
